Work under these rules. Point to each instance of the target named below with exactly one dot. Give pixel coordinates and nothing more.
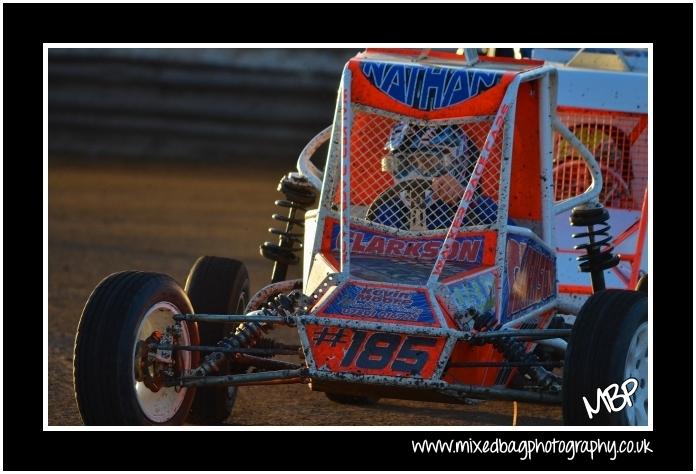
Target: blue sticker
(381, 303)
(475, 292)
(531, 276)
(428, 87)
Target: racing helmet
(429, 151)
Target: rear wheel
(117, 379)
(216, 285)
(608, 345)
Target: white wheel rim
(637, 368)
(160, 406)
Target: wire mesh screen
(410, 174)
(618, 142)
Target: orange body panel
(525, 184)
(373, 353)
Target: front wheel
(608, 345)
(117, 379)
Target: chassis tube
(229, 318)
(456, 390)
(240, 379)
(248, 350)
(525, 333)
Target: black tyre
(216, 285)
(608, 345)
(351, 399)
(115, 382)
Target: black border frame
(27, 26)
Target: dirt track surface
(161, 218)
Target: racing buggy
(429, 268)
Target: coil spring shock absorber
(515, 351)
(599, 256)
(299, 195)
(248, 334)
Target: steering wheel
(613, 182)
(402, 206)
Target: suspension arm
(224, 350)
(521, 333)
(230, 318)
(237, 379)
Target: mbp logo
(610, 395)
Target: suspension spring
(598, 256)
(249, 334)
(299, 195)
(516, 353)
(244, 336)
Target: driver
(430, 166)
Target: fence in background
(190, 104)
